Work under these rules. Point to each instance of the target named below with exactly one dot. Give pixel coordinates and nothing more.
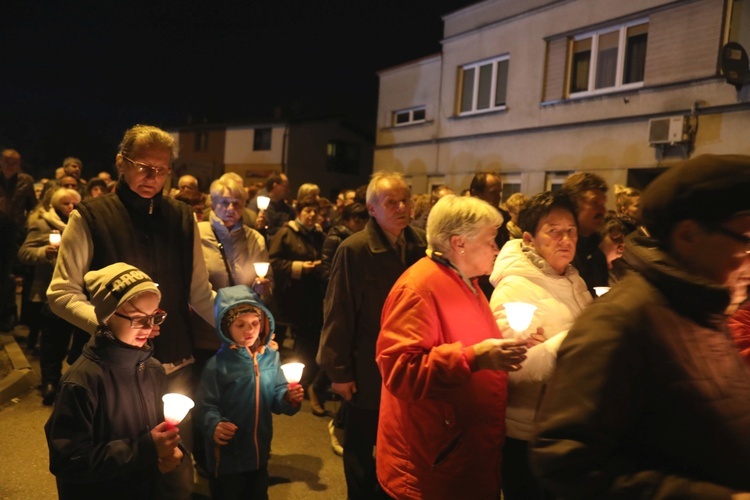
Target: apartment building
(538, 89)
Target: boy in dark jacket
(107, 437)
(241, 386)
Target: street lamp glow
(519, 315)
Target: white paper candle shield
(519, 315)
(261, 269)
(263, 202)
(601, 290)
(292, 372)
(54, 238)
(176, 407)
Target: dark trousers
(55, 345)
(359, 463)
(33, 313)
(519, 482)
(241, 486)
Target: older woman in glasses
(444, 362)
(536, 269)
(137, 224)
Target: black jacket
(98, 435)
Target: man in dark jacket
(364, 269)
(650, 397)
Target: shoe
(49, 393)
(335, 444)
(315, 403)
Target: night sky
(75, 74)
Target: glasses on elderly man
(149, 169)
(145, 321)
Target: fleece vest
(159, 243)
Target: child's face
(141, 305)
(245, 329)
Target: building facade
(538, 89)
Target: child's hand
(224, 432)
(294, 394)
(170, 463)
(165, 438)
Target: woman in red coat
(444, 363)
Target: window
(511, 184)
(201, 141)
(554, 180)
(619, 61)
(483, 86)
(408, 116)
(342, 157)
(262, 139)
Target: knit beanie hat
(112, 286)
(235, 312)
(708, 188)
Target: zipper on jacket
(139, 368)
(151, 206)
(257, 405)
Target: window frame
(410, 116)
(594, 35)
(494, 61)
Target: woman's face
(308, 216)
(555, 239)
(479, 254)
(66, 205)
(140, 170)
(97, 191)
(245, 329)
(228, 208)
(632, 209)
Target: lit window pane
(485, 85)
(606, 64)
(579, 76)
(467, 89)
(501, 87)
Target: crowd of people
(631, 378)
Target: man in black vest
(138, 225)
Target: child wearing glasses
(106, 436)
(241, 386)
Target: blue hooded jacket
(241, 387)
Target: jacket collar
(104, 347)
(133, 202)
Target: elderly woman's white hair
(458, 216)
(226, 184)
(61, 193)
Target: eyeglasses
(145, 321)
(226, 203)
(149, 169)
(741, 238)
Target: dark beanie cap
(708, 188)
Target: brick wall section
(684, 42)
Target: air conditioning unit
(668, 130)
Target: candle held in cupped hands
(500, 354)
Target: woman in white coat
(536, 269)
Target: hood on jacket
(519, 259)
(231, 296)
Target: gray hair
(144, 136)
(61, 193)
(458, 216)
(223, 184)
(375, 187)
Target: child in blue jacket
(241, 386)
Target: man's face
(494, 191)
(392, 207)
(73, 169)
(281, 190)
(718, 256)
(10, 165)
(142, 177)
(591, 211)
(188, 185)
(69, 182)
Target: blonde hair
(308, 189)
(224, 184)
(455, 215)
(624, 197)
(61, 193)
(144, 136)
(515, 201)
